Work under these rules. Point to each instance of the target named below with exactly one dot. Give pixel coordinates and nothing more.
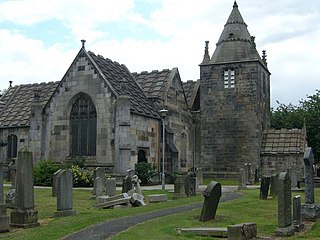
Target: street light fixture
(163, 113)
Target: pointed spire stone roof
(235, 42)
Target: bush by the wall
(43, 172)
(144, 171)
(81, 177)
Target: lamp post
(163, 113)
(194, 122)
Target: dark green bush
(43, 172)
(144, 171)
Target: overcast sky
(40, 38)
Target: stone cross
(297, 217)
(285, 227)
(242, 180)
(308, 166)
(264, 187)
(126, 183)
(4, 219)
(136, 183)
(212, 196)
(64, 194)
(24, 215)
(111, 185)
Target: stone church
(104, 115)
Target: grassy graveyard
(249, 208)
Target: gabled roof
(191, 89)
(284, 141)
(235, 43)
(154, 83)
(122, 82)
(15, 110)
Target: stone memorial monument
(264, 187)
(212, 196)
(111, 186)
(179, 191)
(297, 217)
(24, 215)
(242, 180)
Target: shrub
(144, 171)
(43, 172)
(81, 177)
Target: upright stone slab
(64, 194)
(191, 184)
(4, 218)
(179, 191)
(55, 183)
(274, 185)
(285, 227)
(212, 196)
(99, 172)
(264, 187)
(297, 217)
(97, 187)
(199, 175)
(127, 181)
(111, 186)
(242, 180)
(24, 215)
(310, 210)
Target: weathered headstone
(273, 185)
(64, 194)
(108, 202)
(127, 181)
(199, 175)
(99, 172)
(242, 231)
(111, 186)
(264, 187)
(136, 184)
(4, 218)
(212, 196)
(310, 210)
(136, 200)
(297, 217)
(11, 198)
(24, 215)
(285, 227)
(54, 183)
(179, 191)
(191, 184)
(13, 171)
(242, 180)
(155, 198)
(248, 174)
(97, 187)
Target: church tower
(235, 101)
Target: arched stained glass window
(12, 146)
(83, 121)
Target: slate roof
(154, 83)
(123, 82)
(190, 89)
(16, 103)
(284, 141)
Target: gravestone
(199, 175)
(24, 215)
(264, 187)
(127, 181)
(273, 185)
(310, 210)
(97, 187)
(191, 184)
(54, 183)
(247, 170)
(99, 172)
(297, 217)
(136, 184)
(13, 171)
(111, 186)
(64, 194)
(242, 180)
(4, 218)
(285, 227)
(136, 200)
(212, 196)
(179, 191)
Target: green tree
(306, 112)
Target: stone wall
(232, 119)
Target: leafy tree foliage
(306, 112)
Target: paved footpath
(111, 228)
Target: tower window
(229, 77)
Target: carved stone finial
(36, 94)
(235, 5)
(83, 43)
(10, 83)
(206, 57)
(264, 56)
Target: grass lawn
(246, 209)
